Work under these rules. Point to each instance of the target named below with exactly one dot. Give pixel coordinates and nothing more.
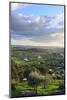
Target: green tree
(43, 67)
(15, 73)
(35, 78)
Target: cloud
(14, 6)
(27, 24)
(37, 30)
(58, 17)
(29, 42)
(61, 23)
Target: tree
(35, 78)
(16, 73)
(43, 67)
(26, 73)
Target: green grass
(14, 93)
(48, 90)
(23, 86)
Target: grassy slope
(48, 90)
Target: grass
(23, 86)
(48, 90)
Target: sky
(37, 25)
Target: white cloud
(59, 16)
(39, 19)
(36, 30)
(57, 34)
(20, 15)
(14, 6)
(27, 41)
(54, 35)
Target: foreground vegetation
(41, 90)
(37, 71)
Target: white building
(39, 57)
(26, 59)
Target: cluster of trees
(34, 73)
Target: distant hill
(38, 48)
